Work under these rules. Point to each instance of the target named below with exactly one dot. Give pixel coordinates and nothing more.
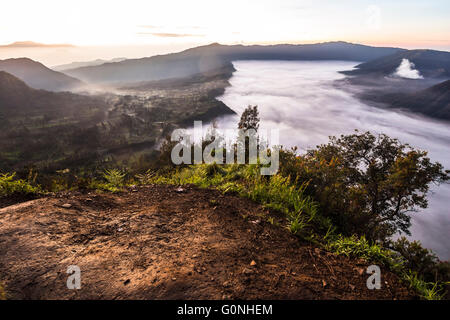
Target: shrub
(146, 178)
(365, 183)
(421, 260)
(9, 185)
(359, 247)
(427, 290)
(114, 177)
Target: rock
(253, 263)
(179, 190)
(120, 229)
(324, 284)
(67, 205)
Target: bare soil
(160, 242)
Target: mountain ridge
(80, 64)
(433, 101)
(203, 58)
(17, 99)
(38, 76)
(430, 64)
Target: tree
(368, 184)
(248, 139)
(249, 119)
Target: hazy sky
(113, 22)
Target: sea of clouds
(302, 100)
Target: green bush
(9, 185)
(427, 290)
(367, 184)
(145, 178)
(359, 247)
(115, 179)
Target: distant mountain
(429, 63)
(40, 127)
(320, 51)
(201, 59)
(18, 99)
(31, 44)
(81, 64)
(38, 76)
(434, 101)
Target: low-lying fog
(303, 102)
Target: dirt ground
(161, 242)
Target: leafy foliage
(145, 178)
(427, 290)
(360, 247)
(114, 177)
(115, 180)
(366, 184)
(9, 185)
(421, 260)
(249, 119)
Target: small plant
(213, 169)
(361, 248)
(231, 187)
(296, 225)
(114, 177)
(146, 178)
(427, 290)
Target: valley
(53, 131)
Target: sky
(180, 24)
